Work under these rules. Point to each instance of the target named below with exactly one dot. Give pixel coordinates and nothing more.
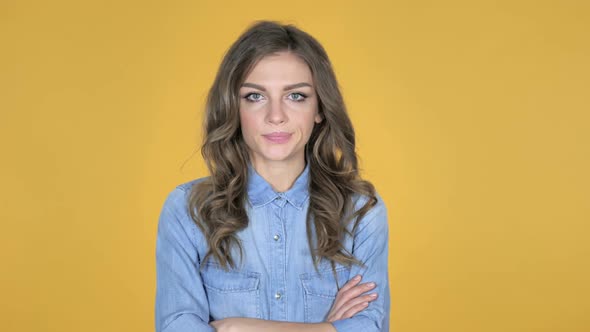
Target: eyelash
(293, 93)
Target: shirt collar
(260, 192)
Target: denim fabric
(277, 279)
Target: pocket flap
(323, 283)
(216, 278)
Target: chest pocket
(319, 291)
(231, 293)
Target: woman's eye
(296, 96)
(253, 96)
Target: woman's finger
(355, 309)
(339, 296)
(346, 298)
(351, 293)
(351, 283)
(353, 303)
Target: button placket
(278, 264)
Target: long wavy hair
(217, 204)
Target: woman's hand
(349, 300)
(230, 324)
(221, 325)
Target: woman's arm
(260, 325)
(348, 302)
(371, 247)
(181, 302)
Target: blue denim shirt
(277, 280)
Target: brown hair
(217, 204)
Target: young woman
(281, 233)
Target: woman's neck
(280, 176)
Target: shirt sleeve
(371, 247)
(181, 302)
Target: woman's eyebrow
(287, 87)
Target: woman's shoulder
(175, 215)
(178, 196)
(187, 186)
(376, 216)
(359, 200)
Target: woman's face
(278, 110)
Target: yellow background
(471, 116)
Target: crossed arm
(349, 301)
(179, 305)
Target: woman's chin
(279, 156)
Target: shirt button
(277, 295)
(276, 237)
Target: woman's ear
(318, 118)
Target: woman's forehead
(283, 68)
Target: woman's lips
(278, 137)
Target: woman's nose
(276, 113)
